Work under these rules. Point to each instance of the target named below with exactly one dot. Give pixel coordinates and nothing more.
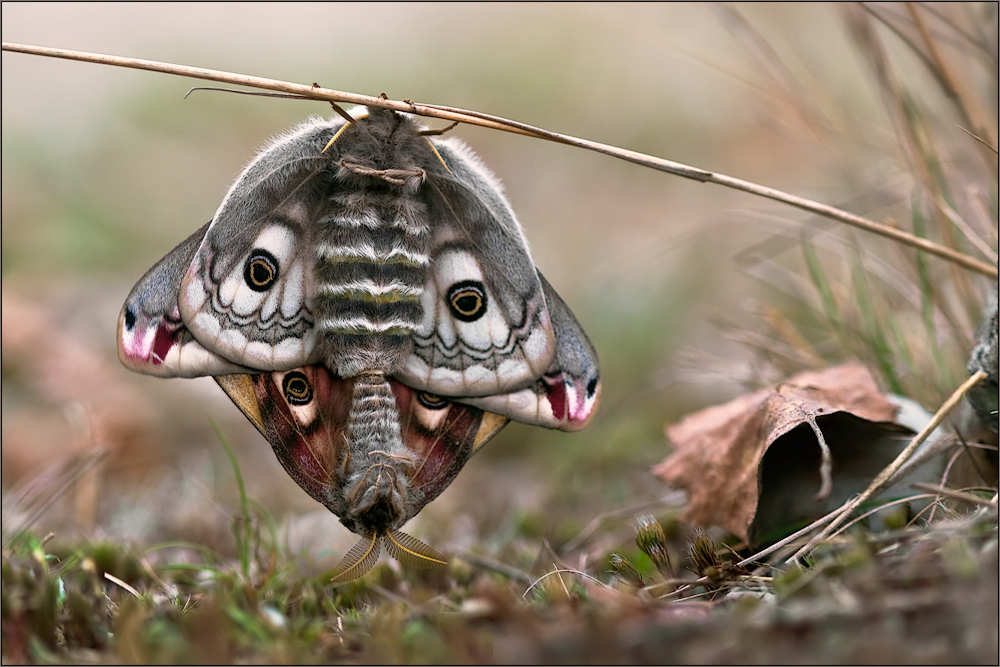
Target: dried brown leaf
(719, 452)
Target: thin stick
(498, 123)
(497, 566)
(887, 475)
(876, 510)
(952, 493)
(557, 572)
(115, 580)
(797, 535)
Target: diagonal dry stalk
(315, 92)
(889, 473)
(887, 476)
(966, 105)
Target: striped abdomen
(378, 467)
(371, 269)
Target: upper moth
(365, 295)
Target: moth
(365, 295)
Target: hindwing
(303, 414)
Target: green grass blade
(872, 327)
(242, 525)
(822, 285)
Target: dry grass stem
(890, 472)
(954, 493)
(596, 522)
(498, 123)
(71, 472)
(559, 572)
(952, 86)
(496, 566)
(115, 580)
(876, 510)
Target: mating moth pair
(365, 295)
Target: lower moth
(365, 295)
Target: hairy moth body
(366, 296)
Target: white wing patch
(464, 356)
(267, 329)
(139, 350)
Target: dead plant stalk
(316, 92)
(887, 475)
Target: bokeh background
(106, 169)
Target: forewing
(566, 396)
(247, 295)
(486, 328)
(152, 338)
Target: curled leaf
(780, 456)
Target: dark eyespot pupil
(467, 300)
(297, 389)
(261, 270)
(591, 387)
(430, 401)
(467, 303)
(129, 319)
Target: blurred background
(691, 293)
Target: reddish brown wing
(303, 413)
(442, 435)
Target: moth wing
(247, 295)
(441, 437)
(152, 338)
(567, 395)
(486, 327)
(308, 434)
(302, 413)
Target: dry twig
(888, 475)
(495, 122)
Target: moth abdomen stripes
(379, 467)
(372, 264)
(367, 254)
